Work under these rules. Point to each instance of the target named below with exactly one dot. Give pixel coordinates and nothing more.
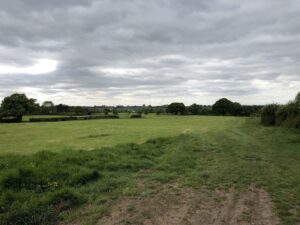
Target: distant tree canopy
(226, 107)
(106, 111)
(47, 107)
(236, 109)
(61, 108)
(223, 107)
(176, 108)
(196, 109)
(48, 104)
(78, 110)
(17, 105)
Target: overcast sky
(94, 52)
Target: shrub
(281, 114)
(10, 119)
(136, 116)
(289, 114)
(268, 115)
(286, 112)
(293, 122)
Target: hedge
(268, 115)
(52, 119)
(69, 118)
(136, 116)
(97, 117)
(10, 119)
(285, 115)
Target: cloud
(40, 67)
(92, 52)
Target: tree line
(222, 107)
(13, 107)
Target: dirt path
(172, 205)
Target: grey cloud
(185, 50)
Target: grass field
(28, 138)
(211, 153)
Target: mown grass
(44, 187)
(27, 138)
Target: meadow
(26, 138)
(75, 171)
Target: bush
(281, 114)
(289, 114)
(10, 119)
(286, 112)
(293, 122)
(268, 115)
(136, 116)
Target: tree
(106, 111)
(159, 111)
(48, 104)
(78, 110)
(47, 107)
(176, 108)
(195, 109)
(236, 109)
(61, 108)
(16, 106)
(223, 107)
(115, 112)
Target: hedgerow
(69, 118)
(284, 115)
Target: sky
(133, 52)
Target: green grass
(212, 152)
(26, 138)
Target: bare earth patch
(173, 205)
